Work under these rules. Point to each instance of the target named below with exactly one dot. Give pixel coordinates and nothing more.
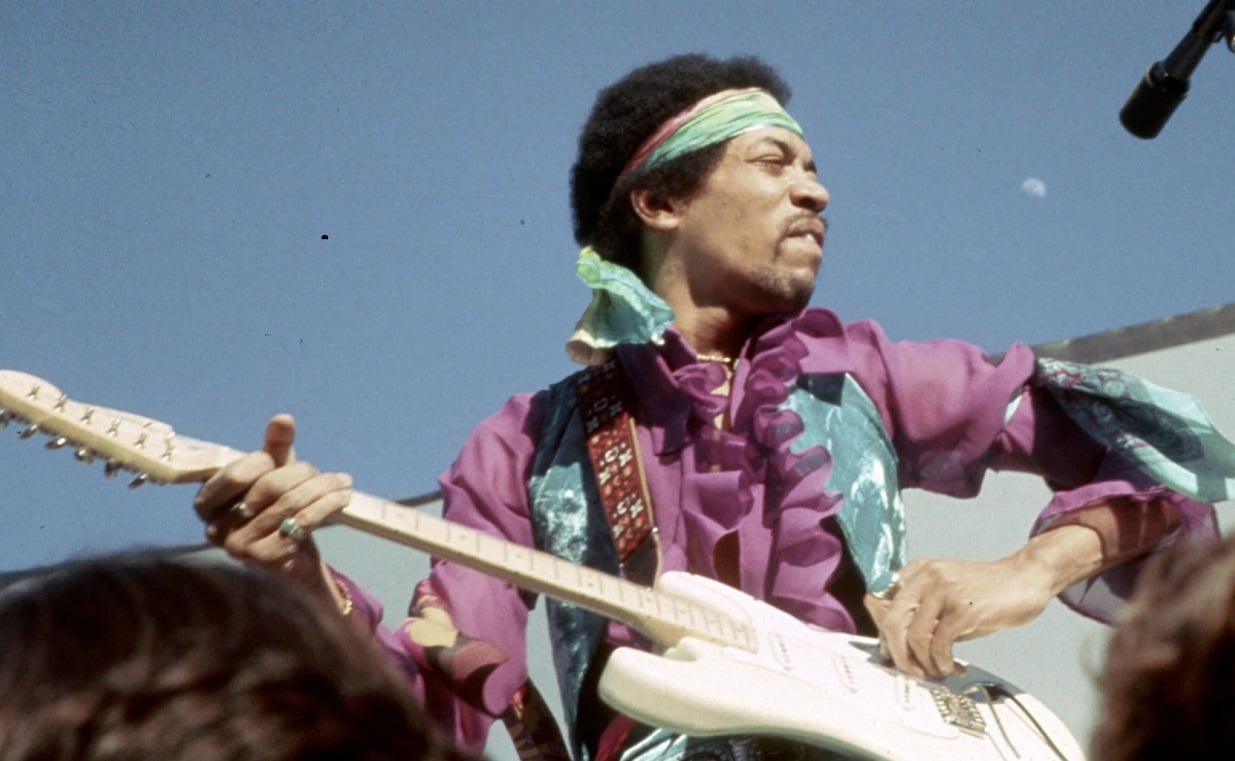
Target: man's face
(751, 238)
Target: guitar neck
(662, 618)
(154, 451)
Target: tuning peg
(57, 443)
(84, 455)
(141, 479)
(29, 432)
(5, 417)
(112, 468)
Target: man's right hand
(263, 507)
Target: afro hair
(624, 115)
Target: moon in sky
(1034, 187)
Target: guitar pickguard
(823, 688)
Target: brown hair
(145, 655)
(1168, 684)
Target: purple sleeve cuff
(1103, 596)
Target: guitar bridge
(961, 711)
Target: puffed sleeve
(463, 644)
(954, 414)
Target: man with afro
(766, 441)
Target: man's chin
(799, 301)
(784, 295)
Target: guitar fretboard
(662, 618)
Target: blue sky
(357, 213)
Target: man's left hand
(937, 603)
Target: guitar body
(825, 689)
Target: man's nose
(809, 193)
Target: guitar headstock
(124, 441)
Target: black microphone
(1166, 83)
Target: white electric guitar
(726, 662)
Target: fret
(518, 558)
(588, 585)
(465, 541)
(681, 611)
(608, 587)
(714, 623)
(638, 597)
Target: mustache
(806, 221)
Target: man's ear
(654, 212)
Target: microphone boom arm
(1166, 83)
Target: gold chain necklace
(729, 362)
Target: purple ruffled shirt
(736, 502)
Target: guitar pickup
(961, 711)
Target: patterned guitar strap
(604, 405)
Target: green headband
(714, 119)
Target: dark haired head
(143, 655)
(624, 115)
(1168, 684)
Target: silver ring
(888, 592)
(292, 530)
(241, 511)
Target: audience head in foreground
(1168, 684)
(148, 655)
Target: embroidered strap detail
(532, 728)
(604, 404)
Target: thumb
(280, 435)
